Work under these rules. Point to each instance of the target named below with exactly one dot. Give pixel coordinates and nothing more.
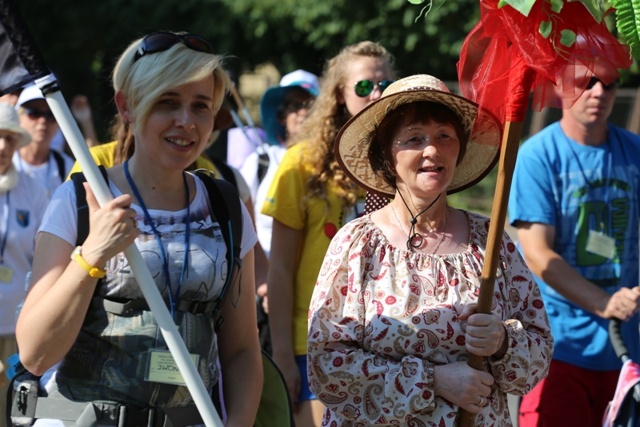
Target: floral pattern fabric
(382, 317)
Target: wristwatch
(96, 272)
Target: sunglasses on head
(35, 114)
(163, 40)
(365, 87)
(594, 80)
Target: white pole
(148, 287)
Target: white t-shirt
(249, 170)
(21, 212)
(48, 173)
(61, 216)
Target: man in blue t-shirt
(575, 203)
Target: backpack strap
(81, 203)
(225, 207)
(224, 202)
(263, 165)
(57, 156)
(225, 171)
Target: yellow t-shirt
(318, 219)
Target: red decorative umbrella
(549, 47)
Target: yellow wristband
(96, 272)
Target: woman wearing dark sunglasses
(310, 199)
(168, 89)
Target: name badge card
(601, 244)
(161, 368)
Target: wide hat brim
(9, 121)
(269, 104)
(24, 138)
(354, 139)
(269, 114)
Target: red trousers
(569, 396)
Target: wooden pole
(241, 106)
(508, 153)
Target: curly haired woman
(310, 199)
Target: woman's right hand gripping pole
(61, 289)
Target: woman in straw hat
(23, 201)
(310, 198)
(392, 321)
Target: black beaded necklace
(415, 239)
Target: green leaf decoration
(545, 29)
(595, 7)
(628, 23)
(425, 10)
(522, 6)
(556, 5)
(567, 38)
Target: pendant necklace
(415, 239)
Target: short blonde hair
(144, 80)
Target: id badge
(6, 274)
(161, 368)
(601, 244)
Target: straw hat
(9, 121)
(353, 141)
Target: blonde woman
(168, 89)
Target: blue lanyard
(173, 299)
(6, 230)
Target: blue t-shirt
(581, 189)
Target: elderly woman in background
(392, 318)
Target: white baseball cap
(29, 93)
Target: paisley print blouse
(382, 317)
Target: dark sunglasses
(37, 114)
(365, 87)
(163, 40)
(594, 80)
(295, 106)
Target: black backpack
(57, 156)
(275, 407)
(228, 214)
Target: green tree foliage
(628, 23)
(316, 30)
(80, 40)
